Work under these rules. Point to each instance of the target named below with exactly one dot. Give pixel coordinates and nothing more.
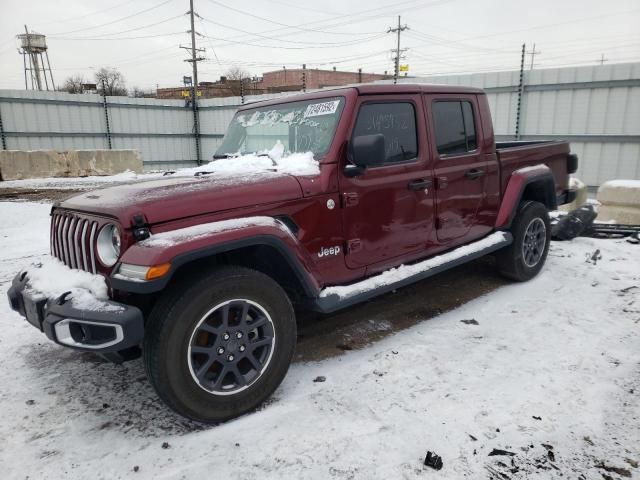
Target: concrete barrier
(620, 201)
(21, 164)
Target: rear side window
(454, 127)
(397, 122)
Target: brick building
(291, 79)
(221, 88)
(285, 80)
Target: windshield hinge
(140, 227)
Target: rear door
(388, 210)
(460, 167)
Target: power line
(267, 37)
(130, 29)
(551, 25)
(90, 14)
(351, 22)
(92, 27)
(296, 27)
(305, 47)
(454, 43)
(121, 38)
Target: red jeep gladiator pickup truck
(319, 200)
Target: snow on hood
(223, 184)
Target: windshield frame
(283, 102)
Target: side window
(397, 122)
(454, 127)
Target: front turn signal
(157, 271)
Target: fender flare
(518, 182)
(209, 246)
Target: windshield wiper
(220, 156)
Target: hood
(174, 198)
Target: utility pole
(602, 59)
(398, 29)
(533, 53)
(194, 84)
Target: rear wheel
(531, 230)
(218, 347)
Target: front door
(460, 167)
(388, 210)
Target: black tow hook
(62, 299)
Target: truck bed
(520, 154)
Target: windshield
(300, 126)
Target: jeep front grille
(73, 240)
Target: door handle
(419, 184)
(473, 173)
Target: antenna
(33, 46)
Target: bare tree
(136, 92)
(73, 84)
(114, 83)
(236, 73)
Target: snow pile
(174, 237)
(404, 271)
(53, 278)
(274, 160)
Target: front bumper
(106, 328)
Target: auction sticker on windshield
(324, 108)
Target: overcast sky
(141, 38)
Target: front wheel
(531, 230)
(219, 347)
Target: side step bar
(336, 298)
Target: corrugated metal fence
(162, 130)
(597, 108)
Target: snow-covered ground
(548, 370)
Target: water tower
(32, 47)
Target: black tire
(521, 261)
(176, 322)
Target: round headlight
(108, 245)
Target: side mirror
(368, 150)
